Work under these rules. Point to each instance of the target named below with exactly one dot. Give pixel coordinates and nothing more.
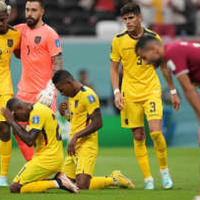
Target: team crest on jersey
(10, 42)
(37, 39)
(76, 104)
(35, 120)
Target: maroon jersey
(182, 58)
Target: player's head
(3, 17)
(34, 11)
(150, 49)
(20, 109)
(65, 83)
(131, 15)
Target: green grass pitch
(183, 163)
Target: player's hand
(72, 146)
(63, 107)
(119, 101)
(175, 101)
(8, 115)
(46, 96)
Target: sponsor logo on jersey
(37, 39)
(91, 98)
(10, 42)
(35, 120)
(57, 43)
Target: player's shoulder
(13, 30)
(87, 92)
(20, 26)
(41, 109)
(49, 29)
(151, 33)
(121, 34)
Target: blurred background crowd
(89, 17)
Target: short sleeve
(36, 121)
(91, 102)
(177, 62)
(114, 54)
(54, 43)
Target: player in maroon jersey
(183, 59)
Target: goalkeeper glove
(46, 96)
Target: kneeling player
(85, 120)
(48, 159)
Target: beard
(31, 22)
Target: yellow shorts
(3, 102)
(32, 172)
(82, 163)
(132, 116)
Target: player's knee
(15, 188)
(4, 132)
(139, 134)
(155, 135)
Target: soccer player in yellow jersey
(140, 94)
(85, 121)
(9, 42)
(45, 133)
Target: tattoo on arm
(57, 62)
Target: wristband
(174, 91)
(116, 91)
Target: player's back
(9, 42)
(49, 151)
(183, 57)
(139, 80)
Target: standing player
(85, 121)
(182, 58)
(140, 94)
(41, 56)
(43, 131)
(9, 41)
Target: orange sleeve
(54, 44)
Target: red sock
(27, 151)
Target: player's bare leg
(5, 152)
(83, 181)
(142, 156)
(161, 151)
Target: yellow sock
(38, 186)
(5, 154)
(160, 147)
(101, 182)
(142, 157)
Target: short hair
(42, 2)
(3, 7)
(130, 7)
(13, 104)
(144, 41)
(61, 75)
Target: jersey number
(153, 107)
(139, 62)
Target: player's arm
(168, 77)
(114, 76)
(190, 93)
(95, 125)
(27, 137)
(57, 62)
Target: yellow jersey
(8, 43)
(49, 149)
(139, 81)
(81, 106)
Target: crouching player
(85, 121)
(48, 159)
